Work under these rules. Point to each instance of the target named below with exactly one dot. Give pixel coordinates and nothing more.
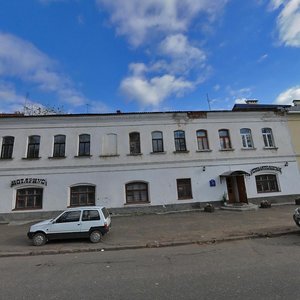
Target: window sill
(11, 158)
(31, 158)
(180, 199)
(109, 155)
(179, 152)
(228, 149)
(31, 208)
(82, 156)
(135, 203)
(270, 148)
(158, 152)
(57, 157)
(135, 154)
(205, 150)
(248, 149)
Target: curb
(154, 244)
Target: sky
(99, 56)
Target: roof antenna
(208, 101)
(25, 107)
(87, 108)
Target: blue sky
(100, 56)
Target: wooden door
(241, 189)
(230, 190)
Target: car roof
(85, 207)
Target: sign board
(265, 168)
(40, 181)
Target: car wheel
(95, 236)
(39, 239)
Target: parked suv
(81, 222)
(296, 216)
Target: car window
(90, 215)
(105, 212)
(69, 216)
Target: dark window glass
(157, 141)
(69, 216)
(202, 140)
(84, 145)
(136, 192)
(224, 139)
(184, 188)
(29, 198)
(179, 137)
(90, 215)
(59, 146)
(7, 147)
(33, 146)
(82, 195)
(134, 143)
(266, 183)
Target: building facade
(144, 160)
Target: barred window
(82, 195)
(7, 147)
(266, 183)
(137, 192)
(184, 188)
(29, 198)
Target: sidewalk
(161, 230)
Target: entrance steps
(240, 206)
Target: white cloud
(288, 21)
(288, 96)
(138, 19)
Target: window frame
(60, 145)
(225, 141)
(86, 191)
(36, 192)
(134, 143)
(157, 142)
(269, 181)
(84, 147)
(180, 141)
(33, 147)
(246, 136)
(268, 137)
(7, 147)
(140, 192)
(202, 141)
(186, 185)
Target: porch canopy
(234, 173)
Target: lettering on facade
(40, 181)
(265, 168)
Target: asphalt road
(249, 269)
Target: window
(179, 137)
(184, 188)
(157, 141)
(82, 195)
(224, 139)
(84, 145)
(7, 147)
(69, 216)
(29, 198)
(109, 144)
(134, 143)
(59, 146)
(137, 192)
(33, 146)
(246, 138)
(202, 140)
(266, 183)
(90, 215)
(268, 137)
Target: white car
(81, 222)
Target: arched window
(202, 140)
(246, 138)
(179, 138)
(137, 192)
(268, 137)
(157, 141)
(224, 139)
(84, 145)
(59, 145)
(134, 143)
(82, 195)
(33, 146)
(7, 147)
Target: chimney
(251, 101)
(296, 102)
(118, 111)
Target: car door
(66, 225)
(90, 218)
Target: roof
(259, 107)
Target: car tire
(95, 236)
(39, 239)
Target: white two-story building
(145, 160)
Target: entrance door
(230, 190)
(241, 189)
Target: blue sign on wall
(212, 182)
